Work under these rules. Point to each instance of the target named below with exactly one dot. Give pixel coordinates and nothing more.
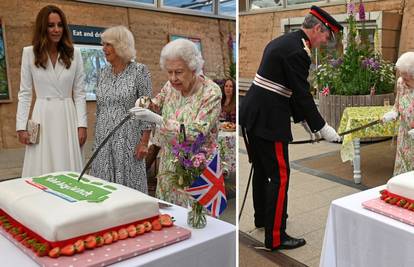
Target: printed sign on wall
(88, 40)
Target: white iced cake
(400, 190)
(57, 207)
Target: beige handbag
(33, 128)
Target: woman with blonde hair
(404, 110)
(120, 84)
(188, 98)
(54, 69)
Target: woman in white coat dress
(53, 68)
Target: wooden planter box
(331, 107)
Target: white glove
(329, 134)
(411, 133)
(143, 102)
(389, 116)
(313, 136)
(146, 115)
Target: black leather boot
(288, 242)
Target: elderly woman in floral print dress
(404, 110)
(188, 98)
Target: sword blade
(372, 123)
(102, 144)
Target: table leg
(357, 161)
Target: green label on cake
(69, 188)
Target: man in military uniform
(280, 90)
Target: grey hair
(122, 40)
(183, 49)
(311, 21)
(405, 63)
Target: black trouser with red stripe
(270, 187)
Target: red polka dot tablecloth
(392, 211)
(115, 252)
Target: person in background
(120, 84)
(228, 101)
(188, 98)
(403, 110)
(281, 90)
(54, 69)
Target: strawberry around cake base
(121, 250)
(58, 208)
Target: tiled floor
(309, 200)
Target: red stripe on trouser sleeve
(277, 221)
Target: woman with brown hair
(54, 69)
(228, 102)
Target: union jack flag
(208, 188)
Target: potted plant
(357, 77)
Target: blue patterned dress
(115, 95)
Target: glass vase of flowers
(196, 217)
(190, 160)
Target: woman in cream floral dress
(404, 108)
(187, 98)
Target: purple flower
(175, 150)
(187, 149)
(351, 8)
(370, 63)
(335, 62)
(187, 163)
(195, 148)
(361, 11)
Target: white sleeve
(25, 92)
(79, 94)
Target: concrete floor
(309, 199)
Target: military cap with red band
(327, 19)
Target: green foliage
(4, 87)
(359, 71)
(232, 71)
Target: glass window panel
(296, 2)
(142, 1)
(257, 4)
(198, 5)
(227, 7)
